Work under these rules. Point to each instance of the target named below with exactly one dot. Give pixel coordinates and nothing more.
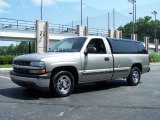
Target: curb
(1, 69)
(158, 63)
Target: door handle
(106, 59)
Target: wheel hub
(135, 76)
(64, 84)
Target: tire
(134, 76)
(62, 84)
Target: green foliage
(22, 48)
(6, 66)
(154, 57)
(143, 27)
(6, 59)
(8, 53)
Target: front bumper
(31, 81)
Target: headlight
(37, 64)
(38, 67)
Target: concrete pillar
(85, 30)
(115, 34)
(156, 42)
(47, 37)
(82, 30)
(111, 33)
(146, 41)
(120, 34)
(134, 36)
(42, 36)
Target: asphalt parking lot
(111, 100)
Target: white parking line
(5, 77)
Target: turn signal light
(39, 71)
(43, 71)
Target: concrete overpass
(44, 34)
(25, 35)
(41, 32)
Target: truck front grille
(18, 66)
(23, 63)
(21, 70)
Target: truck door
(96, 63)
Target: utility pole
(108, 22)
(155, 30)
(72, 26)
(41, 9)
(134, 17)
(87, 22)
(113, 19)
(134, 12)
(81, 12)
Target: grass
(154, 57)
(6, 66)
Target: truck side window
(98, 44)
(122, 46)
(141, 48)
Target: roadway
(111, 100)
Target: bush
(6, 59)
(154, 57)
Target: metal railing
(12, 24)
(98, 32)
(58, 28)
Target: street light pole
(133, 17)
(108, 21)
(155, 31)
(87, 22)
(113, 18)
(134, 13)
(81, 12)
(41, 9)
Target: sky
(68, 11)
(65, 11)
(99, 4)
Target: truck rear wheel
(134, 76)
(62, 84)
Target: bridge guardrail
(58, 28)
(13, 24)
(98, 32)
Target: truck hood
(43, 56)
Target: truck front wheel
(62, 83)
(134, 76)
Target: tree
(144, 27)
(10, 49)
(23, 47)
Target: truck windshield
(69, 45)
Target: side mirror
(90, 50)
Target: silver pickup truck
(79, 60)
